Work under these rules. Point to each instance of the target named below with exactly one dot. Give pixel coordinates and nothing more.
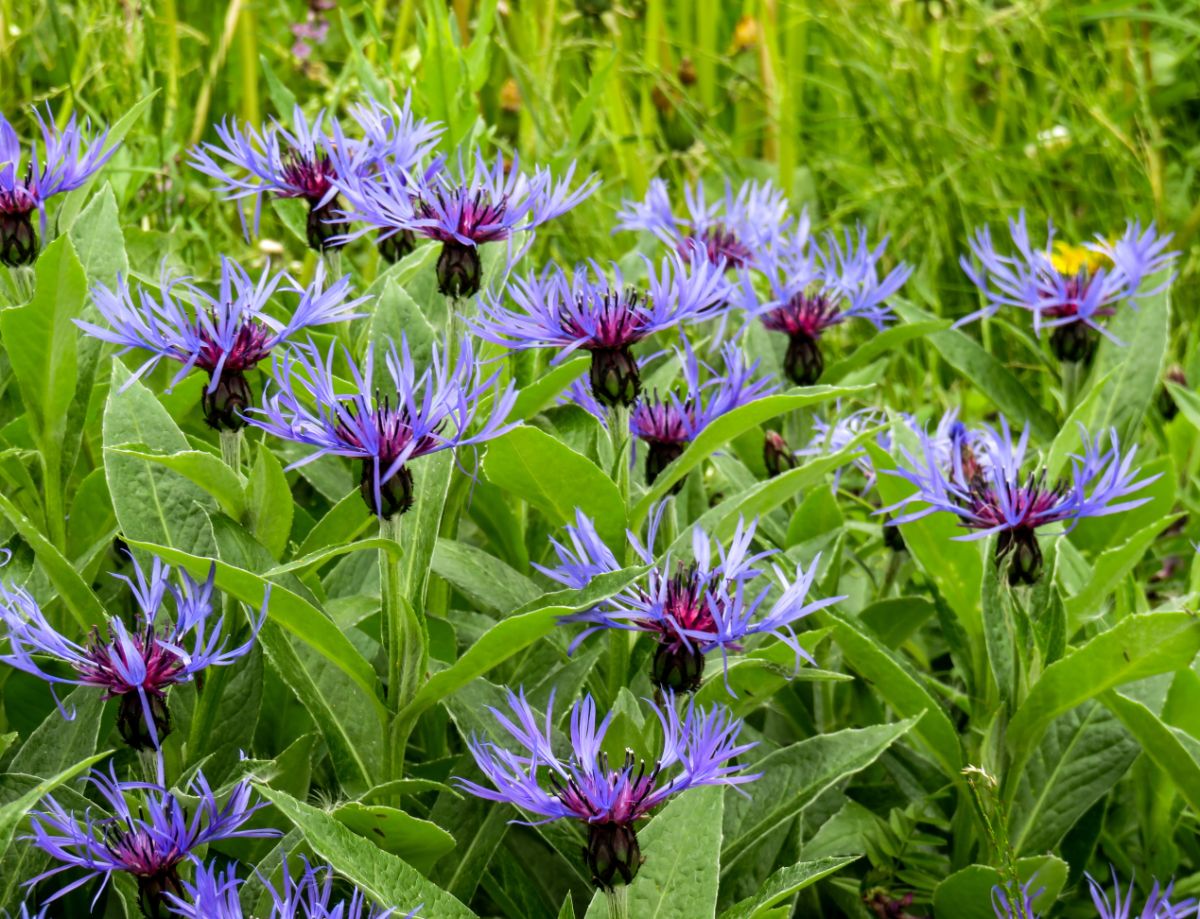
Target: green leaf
(344, 522)
(1170, 748)
(794, 776)
(893, 620)
(152, 503)
(967, 894)
(682, 847)
(269, 502)
(40, 340)
(1112, 566)
(999, 627)
(992, 378)
(386, 879)
(286, 608)
(532, 465)
(894, 679)
(1136, 647)
(99, 241)
(12, 813)
(84, 605)
(1081, 758)
(482, 578)
(785, 883)
(204, 470)
(729, 426)
(419, 842)
(881, 344)
(546, 388)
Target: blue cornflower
(984, 486)
(1158, 904)
(1067, 289)
(588, 311)
(1016, 905)
(461, 208)
(214, 895)
(816, 285)
(136, 663)
(711, 604)
(149, 839)
(224, 335)
(431, 412)
(703, 744)
(65, 160)
(732, 231)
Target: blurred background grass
(921, 117)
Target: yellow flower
(1071, 259)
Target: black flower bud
(677, 668)
(323, 224)
(131, 720)
(612, 854)
(223, 406)
(777, 455)
(1073, 343)
(1026, 564)
(893, 538)
(803, 361)
(395, 247)
(18, 239)
(152, 890)
(459, 271)
(615, 377)
(659, 456)
(395, 495)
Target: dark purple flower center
(250, 345)
(685, 608)
(108, 663)
(620, 321)
(663, 422)
(480, 219)
(395, 433)
(615, 796)
(804, 314)
(311, 178)
(716, 243)
(1029, 503)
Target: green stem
(231, 449)
(618, 639)
(403, 634)
(618, 902)
(1072, 376)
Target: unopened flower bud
(323, 224)
(395, 495)
(777, 455)
(18, 239)
(615, 377)
(223, 406)
(677, 668)
(612, 854)
(803, 362)
(395, 247)
(131, 720)
(1073, 343)
(459, 271)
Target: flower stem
(1072, 376)
(403, 633)
(618, 902)
(231, 449)
(618, 639)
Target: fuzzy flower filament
(136, 663)
(699, 748)
(424, 413)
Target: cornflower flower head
(1069, 290)
(604, 317)
(61, 162)
(986, 488)
(713, 603)
(832, 437)
(431, 411)
(817, 286)
(214, 895)
(667, 423)
(1018, 904)
(698, 748)
(148, 837)
(734, 230)
(1157, 906)
(136, 663)
(225, 335)
(461, 208)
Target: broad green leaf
(794, 776)
(990, 376)
(99, 241)
(1110, 569)
(307, 562)
(269, 502)
(967, 894)
(784, 883)
(682, 847)
(385, 878)
(12, 813)
(152, 503)
(397, 316)
(482, 578)
(431, 485)
(1168, 747)
(881, 344)
(286, 608)
(894, 679)
(1136, 647)
(1082, 756)
(343, 523)
(84, 605)
(419, 842)
(542, 392)
(999, 627)
(202, 469)
(893, 620)
(729, 426)
(529, 463)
